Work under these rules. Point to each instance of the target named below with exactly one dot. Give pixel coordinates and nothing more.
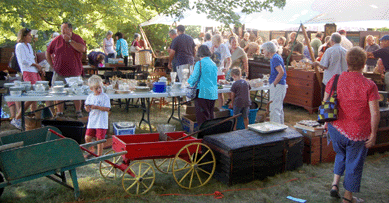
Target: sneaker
(17, 123)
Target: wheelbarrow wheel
(193, 165)
(138, 178)
(108, 171)
(163, 165)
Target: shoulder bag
(191, 92)
(132, 48)
(328, 111)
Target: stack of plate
(36, 93)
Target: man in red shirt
(67, 50)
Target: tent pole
(147, 40)
(318, 76)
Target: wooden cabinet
(303, 89)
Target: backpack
(14, 63)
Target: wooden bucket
(31, 122)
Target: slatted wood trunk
(243, 156)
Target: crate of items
(316, 147)
(124, 128)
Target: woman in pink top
(137, 46)
(355, 130)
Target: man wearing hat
(383, 54)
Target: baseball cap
(385, 37)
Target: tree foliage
(91, 19)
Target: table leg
(178, 110)
(145, 105)
(73, 174)
(23, 111)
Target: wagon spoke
(198, 176)
(140, 168)
(168, 167)
(180, 169)
(203, 156)
(190, 156)
(144, 185)
(186, 174)
(109, 172)
(129, 178)
(162, 162)
(205, 163)
(137, 188)
(191, 179)
(148, 178)
(204, 171)
(197, 152)
(132, 185)
(146, 172)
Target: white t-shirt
(26, 58)
(221, 53)
(98, 119)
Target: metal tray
(267, 127)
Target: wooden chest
(5, 54)
(244, 155)
(316, 149)
(303, 89)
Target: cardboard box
(123, 131)
(189, 123)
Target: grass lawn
(311, 183)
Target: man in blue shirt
(183, 50)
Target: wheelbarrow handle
(211, 126)
(83, 148)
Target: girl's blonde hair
(95, 80)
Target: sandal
(335, 193)
(357, 200)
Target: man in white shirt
(345, 43)
(333, 61)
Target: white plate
(267, 127)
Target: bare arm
(171, 56)
(101, 108)
(232, 96)
(78, 46)
(279, 76)
(48, 58)
(245, 62)
(316, 63)
(374, 120)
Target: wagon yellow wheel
(108, 171)
(163, 165)
(193, 165)
(142, 181)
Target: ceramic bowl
(42, 82)
(15, 93)
(57, 83)
(16, 88)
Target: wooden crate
(244, 155)
(316, 149)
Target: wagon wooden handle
(211, 126)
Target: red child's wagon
(191, 162)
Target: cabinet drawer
(300, 83)
(300, 91)
(307, 75)
(291, 98)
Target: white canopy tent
(312, 13)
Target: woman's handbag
(191, 92)
(328, 111)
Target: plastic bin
(70, 129)
(123, 131)
(252, 115)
